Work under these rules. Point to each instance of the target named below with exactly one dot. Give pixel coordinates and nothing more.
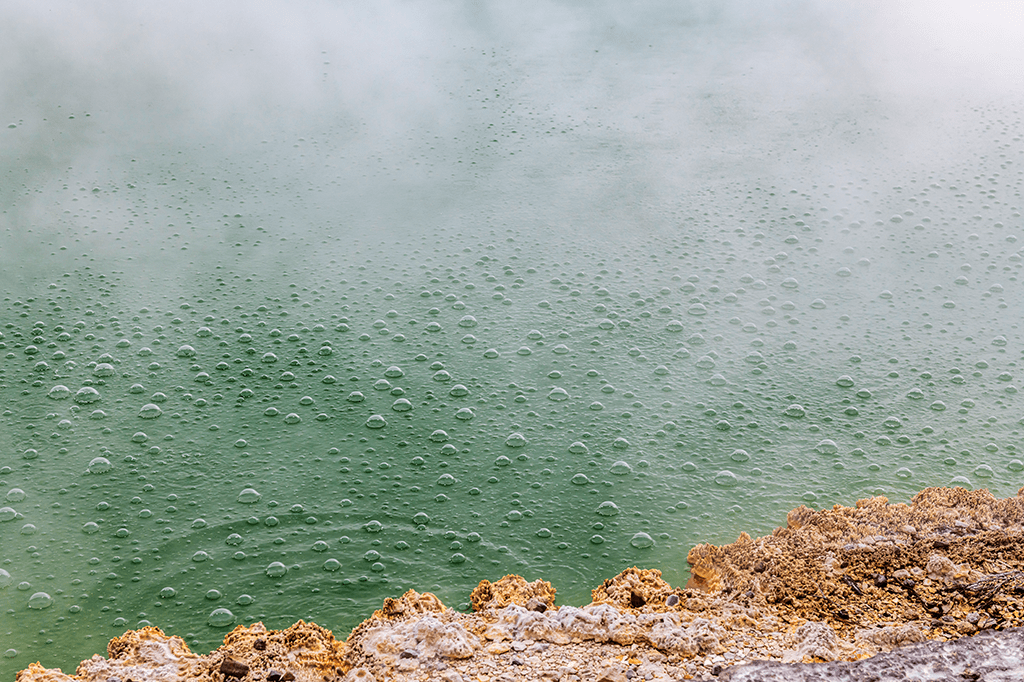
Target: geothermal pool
(305, 310)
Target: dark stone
(232, 668)
(941, 543)
(409, 653)
(672, 600)
(993, 656)
(636, 600)
(260, 644)
(716, 671)
(537, 605)
(278, 676)
(759, 567)
(881, 580)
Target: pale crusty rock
(420, 638)
(890, 636)
(815, 640)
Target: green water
(300, 320)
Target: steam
(442, 109)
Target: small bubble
(220, 618)
(607, 508)
(249, 496)
(580, 479)
(621, 468)
(516, 440)
(40, 600)
(726, 479)
(642, 541)
(376, 421)
(99, 465)
(276, 570)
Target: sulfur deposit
(835, 585)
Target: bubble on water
(5, 579)
(491, 353)
(249, 496)
(276, 570)
(150, 411)
(672, 326)
(642, 541)
(167, 593)
(200, 556)
(620, 443)
(789, 283)
(271, 412)
(373, 526)
(97, 414)
(502, 461)
(40, 600)
(558, 394)
(446, 480)
(292, 418)
(375, 421)
(578, 448)
(796, 411)
(999, 341)
(439, 436)
(938, 406)
(739, 456)
(139, 437)
(15, 495)
(596, 540)
(213, 595)
(104, 369)
(621, 468)
(697, 309)
(355, 397)
(726, 479)
(30, 453)
(464, 414)
(99, 465)
(382, 385)
(401, 405)
(523, 350)
(186, 351)
(516, 440)
(331, 565)
(607, 508)
(393, 372)
(960, 482)
(984, 471)
(892, 423)
(235, 539)
(442, 376)
(818, 304)
(1015, 465)
(809, 497)
(8, 514)
(826, 447)
(904, 473)
(59, 392)
(320, 546)
(457, 558)
(845, 381)
(706, 362)
(90, 527)
(468, 322)
(306, 400)
(580, 479)
(220, 618)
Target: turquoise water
(338, 303)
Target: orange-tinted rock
(636, 588)
(512, 589)
(409, 604)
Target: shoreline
(842, 584)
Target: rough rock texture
(305, 652)
(512, 589)
(834, 585)
(990, 656)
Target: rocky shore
(941, 579)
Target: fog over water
(463, 289)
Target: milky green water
(288, 364)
